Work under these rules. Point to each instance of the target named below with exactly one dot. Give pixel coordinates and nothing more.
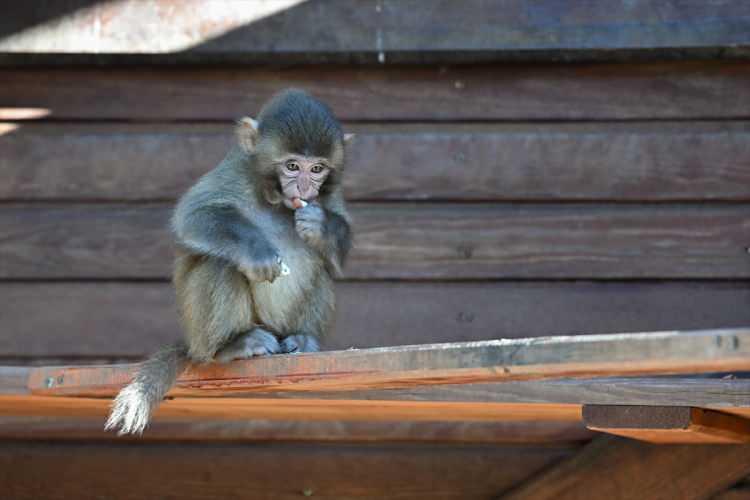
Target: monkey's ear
(247, 133)
(348, 138)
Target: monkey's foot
(131, 410)
(299, 343)
(257, 342)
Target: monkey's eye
(292, 166)
(317, 169)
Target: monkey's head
(298, 147)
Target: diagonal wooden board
(432, 364)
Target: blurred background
(520, 169)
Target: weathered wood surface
(499, 432)
(667, 424)
(85, 322)
(409, 366)
(264, 471)
(636, 470)
(694, 90)
(366, 31)
(427, 241)
(615, 161)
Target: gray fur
(233, 234)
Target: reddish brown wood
(67, 320)
(457, 363)
(667, 424)
(572, 92)
(396, 241)
(91, 471)
(636, 470)
(615, 161)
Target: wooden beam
(285, 471)
(667, 424)
(457, 363)
(508, 162)
(613, 467)
(689, 90)
(394, 241)
(368, 31)
(301, 430)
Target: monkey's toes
(299, 343)
(258, 342)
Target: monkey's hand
(309, 222)
(263, 265)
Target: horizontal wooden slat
(201, 471)
(410, 241)
(128, 320)
(433, 364)
(484, 92)
(505, 432)
(636, 470)
(367, 31)
(668, 424)
(613, 161)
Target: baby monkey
(259, 239)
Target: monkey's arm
(222, 231)
(326, 231)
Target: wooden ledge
(432, 364)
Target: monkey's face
(301, 177)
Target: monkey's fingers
(284, 268)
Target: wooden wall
(519, 170)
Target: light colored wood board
(667, 424)
(43, 320)
(690, 90)
(420, 241)
(455, 363)
(221, 30)
(13, 379)
(724, 395)
(232, 409)
(300, 430)
(637, 470)
(564, 161)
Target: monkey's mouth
(295, 203)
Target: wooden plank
(63, 320)
(164, 430)
(456, 363)
(13, 379)
(427, 241)
(742, 493)
(188, 471)
(638, 470)
(612, 161)
(314, 410)
(667, 424)
(468, 92)
(367, 31)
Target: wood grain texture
(433, 364)
(637, 470)
(427, 241)
(467, 92)
(115, 320)
(165, 430)
(89, 471)
(412, 30)
(668, 424)
(612, 161)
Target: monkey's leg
(216, 303)
(316, 318)
(257, 342)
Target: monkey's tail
(132, 408)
